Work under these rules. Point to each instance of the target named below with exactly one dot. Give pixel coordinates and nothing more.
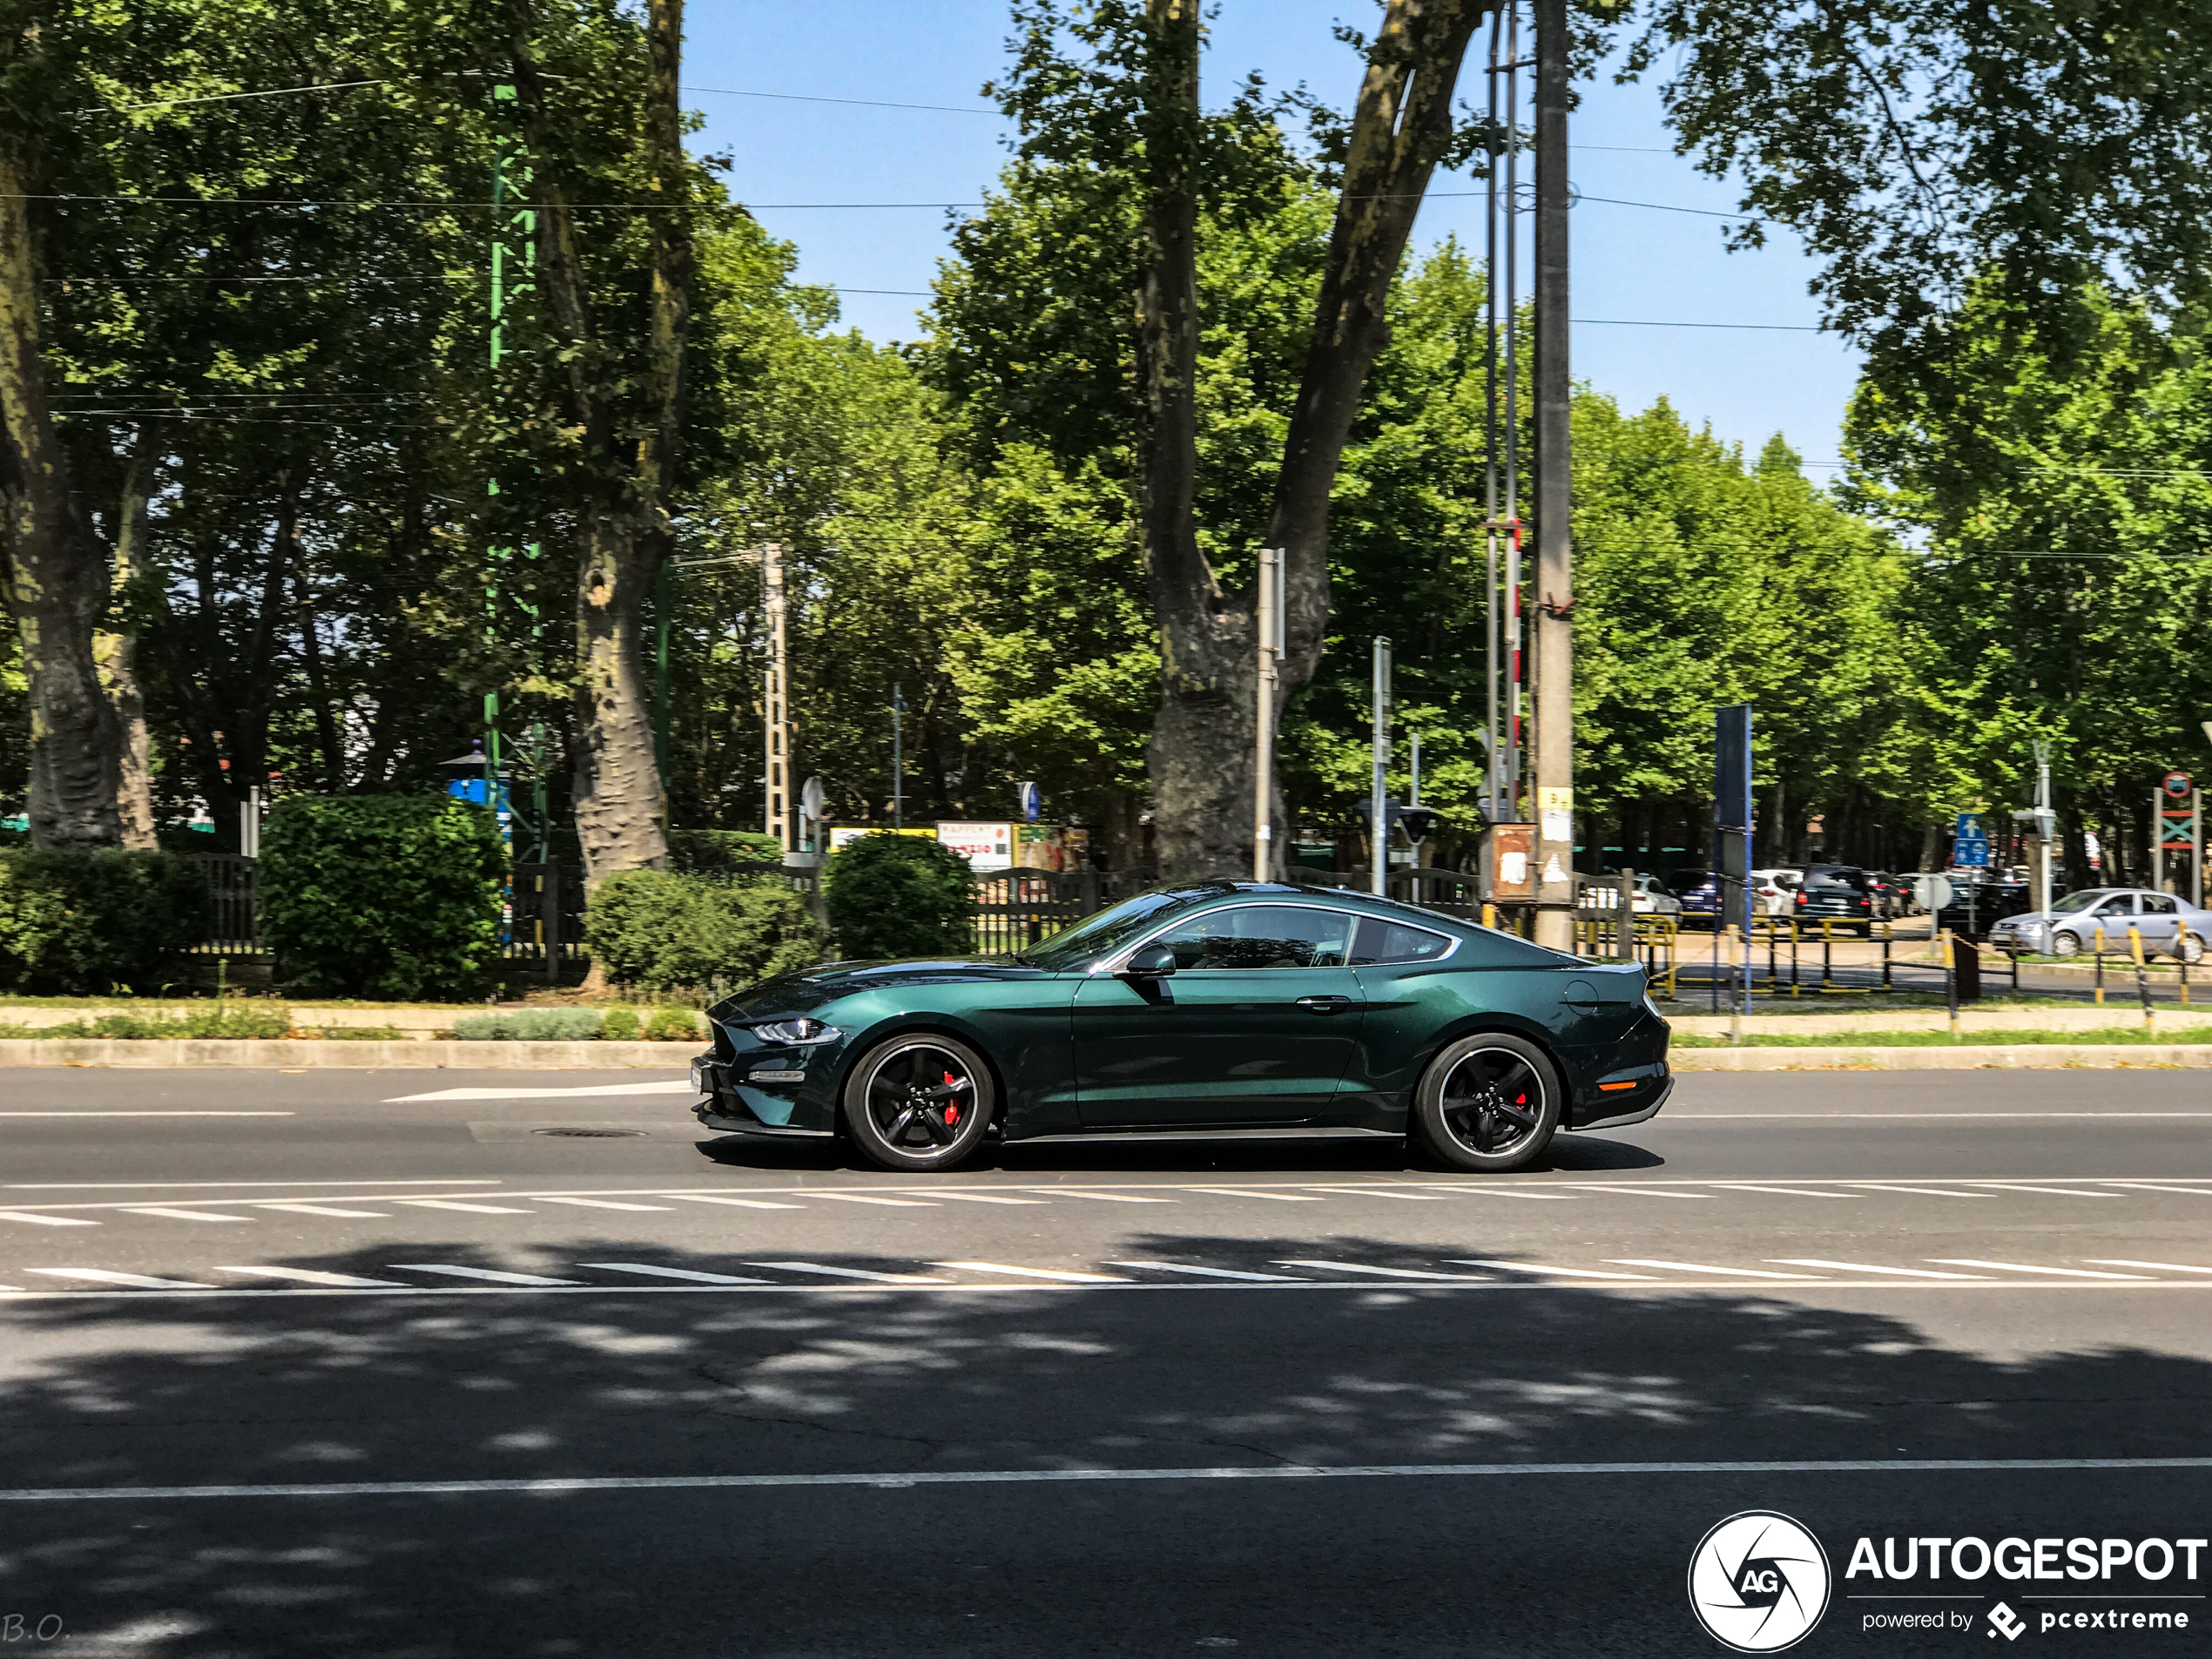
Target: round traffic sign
(2178, 784)
(1930, 892)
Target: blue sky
(1631, 263)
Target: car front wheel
(1490, 1103)
(2065, 944)
(919, 1102)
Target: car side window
(1391, 942)
(2158, 904)
(1260, 936)
(2121, 904)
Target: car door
(1255, 1025)
(2159, 920)
(2115, 915)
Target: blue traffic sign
(1032, 802)
(1971, 852)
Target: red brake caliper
(951, 1107)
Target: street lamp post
(1377, 796)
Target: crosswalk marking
(138, 1281)
(602, 1204)
(716, 1198)
(456, 1204)
(184, 1215)
(1869, 1267)
(1214, 1272)
(1704, 1267)
(45, 1221)
(828, 1271)
(1569, 1272)
(491, 1276)
(1385, 1273)
(316, 1276)
(2027, 1267)
(1060, 1275)
(326, 1209)
(2163, 1267)
(652, 1270)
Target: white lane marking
(524, 1092)
(652, 1271)
(1634, 1192)
(1242, 1192)
(895, 1479)
(148, 1113)
(2063, 1192)
(2154, 1186)
(182, 1215)
(324, 1209)
(849, 1272)
(141, 1186)
(864, 1197)
(1384, 1272)
(1214, 1272)
(102, 1276)
(1794, 1192)
(1371, 1192)
(979, 1198)
(1058, 1275)
(1932, 1192)
(602, 1204)
(315, 1276)
(2027, 1267)
(1705, 1267)
(1570, 1273)
(1869, 1267)
(45, 1221)
(2163, 1267)
(1511, 1192)
(489, 1275)
(740, 1203)
(456, 1204)
(1100, 1197)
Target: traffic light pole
(1554, 666)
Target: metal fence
(1016, 908)
(233, 905)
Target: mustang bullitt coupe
(1219, 1007)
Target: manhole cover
(594, 1134)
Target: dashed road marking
(1241, 1192)
(980, 1197)
(2027, 1267)
(489, 1275)
(652, 1270)
(1214, 1272)
(45, 1221)
(316, 1276)
(1385, 1273)
(1868, 1267)
(869, 1198)
(457, 1204)
(868, 1274)
(184, 1215)
(1568, 1272)
(1057, 1274)
(2062, 1193)
(2163, 1267)
(1704, 1267)
(1932, 1192)
(739, 1204)
(326, 1209)
(602, 1203)
(104, 1276)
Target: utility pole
(1378, 796)
(775, 702)
(898, 761)
(1554, 659)
(1271, 642)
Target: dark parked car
(1214, 1008)
(1891, 894)
(1835, 892)
(1699, 893)
(1976, 907)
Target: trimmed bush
(658, 932)
(725, 852)
(388, 897)
(901, 895)
(226, 1019)
(83, 922)
(530, 1025)
(620, 1025)
(672, 1025)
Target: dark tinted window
(1690, 880)
(1260, 936)
(1104, 933)
(2158, 904)
(1392, 941)
(1855, 880)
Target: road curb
(1961, 1057)
(288, 1055)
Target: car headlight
(803, 1033)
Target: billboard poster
(986, 846)
(845, 834)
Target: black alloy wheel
(919, 1102)
(1488, 1103)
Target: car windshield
(1853, 879)
(1108, 931)
(2074, 901)
(1690, 880)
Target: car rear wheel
(919, 1102)
(1489, 1103)
(2190, 948)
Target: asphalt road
(367, 1363)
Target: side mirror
(1154, 962)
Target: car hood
(813, 987)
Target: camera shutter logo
(1758, 1582)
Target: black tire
(1472, 1107)
(2188, 947)
(2065, 944)
(920, 1102)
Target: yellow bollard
(2142, 980)
(2100, 949)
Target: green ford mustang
(1215, 1007)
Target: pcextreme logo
(1758, 1582)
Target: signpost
(1732, 842)
(1379, 794)
(1032, 803)
(2178, 812)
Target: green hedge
(901, 895)
(388, 897)
(225, 1019)
(81, 923)
(655, 931)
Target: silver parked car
(2170, 926)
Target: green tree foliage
(665, 933)
(385, 896)
(899, 895)
(76, 922)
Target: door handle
(1324, 1004)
